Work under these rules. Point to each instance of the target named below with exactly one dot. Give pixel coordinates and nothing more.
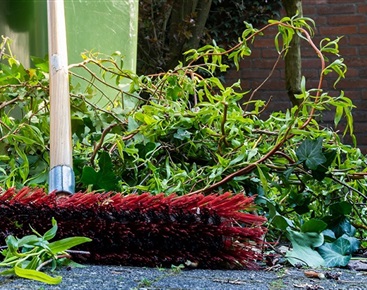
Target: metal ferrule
(62, 179)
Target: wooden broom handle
(60, 123)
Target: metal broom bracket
(62, 179)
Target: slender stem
(3, 46)
(50, 260)
(99, 145)
(223, 123)
(266, 79)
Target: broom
(211, 231)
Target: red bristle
(22, 193)
(144, 229)
(7, 194)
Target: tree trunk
(187, 26)
(202, 13)
(293, 64)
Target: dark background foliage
(168, 28)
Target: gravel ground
(92, 277)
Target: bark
(202, 13)
(187, 26)
(293, 64)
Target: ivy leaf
(279, 221)
(303, 248)
(344, 227)
(182, 134)
(314, 225)
(336, 254)
(320, 172)
(340, 208)
(105, 178)
(310, 153)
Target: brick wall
(333, 18)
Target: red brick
(333, 18)
(362, 50)
(359, 113)
(358, 40)
(317, 2)
(257, 73)
(337, 20)
(314, 63)
(352, 73)
(338, 30)
(309, 10)
(345, 1)
(255, 53)
(262, 42)
(320, 20)
(362, 29)
(353, 94)
(276, 84)
(363, 74)
(360, 127)
(336, 9)
(362, 8)
(352, 83)
(269, 53)
(348, 51)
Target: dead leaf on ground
(314, 274)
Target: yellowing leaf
(37, 275)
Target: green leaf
(310, 152)
(182, 134)
(354, 243)
(343, 227)
(105, 178)
(37, 275)
(105, 162)
(51, 233)
(303, 248)
(340, 208)
(26, 240)
(34, 263)
(281, 222)
(336, 254)
(314, 225)
(89, 175)
(12, 244)
(7, 272)
(67, 243)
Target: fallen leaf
(314, 274)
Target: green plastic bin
(104, 26)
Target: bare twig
(266, 79)
(223, 123)
(2, 49)
(7, 103)
(50, 261)
(99, 145)
(100, 109)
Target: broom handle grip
(60, 124)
